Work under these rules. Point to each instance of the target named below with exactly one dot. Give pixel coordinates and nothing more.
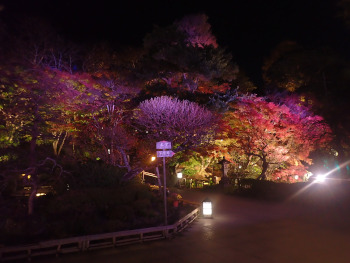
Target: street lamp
(320, 178)
(207, 208)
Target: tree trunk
(265, 165)
(32, 157)
(62, 143)
(125, 159)
(204, 165)
(57, 147)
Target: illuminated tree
(108, 132)
(39, 87)
(39, 106)
(197, 30)
(275, 137)
(29, 104)
(186, 124)
(78, 92)
(185, 57)
(320, 78)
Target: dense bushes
(96, 202)
(80, 212)
(267, 190)
(95, 174)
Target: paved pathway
(245, 231)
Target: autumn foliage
(113, 106)
(278, 138)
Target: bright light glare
(153, 158)
(179, 175)
(320, 178)
(207, 209)
(317, 179)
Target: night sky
(248, 29)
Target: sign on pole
(162, 145)
(165, 153)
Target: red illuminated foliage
(105, 131)
(321, 77)
(197, 30)
(276, 137)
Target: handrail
(97, 241)
(149, 174)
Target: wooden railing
(148, 174)
(90, 242)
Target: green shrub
(95, 174)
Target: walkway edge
(98, 241)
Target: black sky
(249, 29)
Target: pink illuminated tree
(276, 138)
(197, 30)
(186, 124)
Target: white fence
(90, 242)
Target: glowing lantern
(207, 208)
(179, 175)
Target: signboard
(165, 153)
(162, 145)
